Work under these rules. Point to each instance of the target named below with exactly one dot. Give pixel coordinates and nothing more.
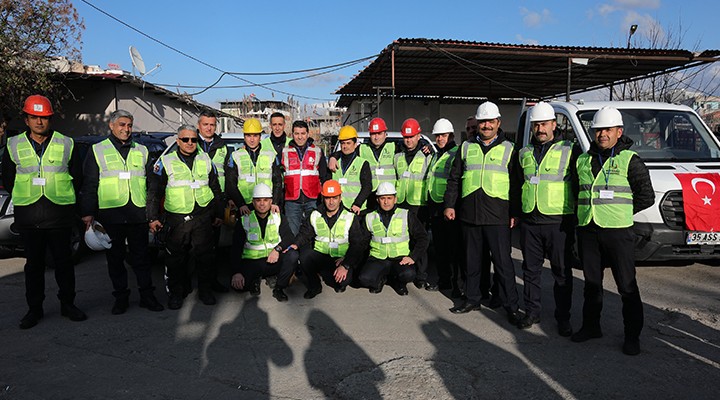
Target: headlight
(10, 208)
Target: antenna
(138, 63)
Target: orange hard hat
(331, 188)
(410, 127)
(38, 105)
(377, 125)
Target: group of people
(358, 217)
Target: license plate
(703, 238)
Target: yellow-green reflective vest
(411, 183)
(268, 144)
(392, 242)
(250, 174)
(185, 187)
(488, 171)
(120, 179)
(258, 246)
(439, 173)
(218, 161)
(48, 176)
(547, 186)
(609, 204)
(350, 181)
(333, 242)
(382, 168)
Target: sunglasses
(188, 139)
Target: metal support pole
(567, 93)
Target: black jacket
(355, 253)
(322, 166)
(478, 208)
(437, 209)
(127, 214)
(365, 176)
(418, 235)
(211, 148)
(43, 214)
(231, 179)
(240, 237)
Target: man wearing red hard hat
(39, 171)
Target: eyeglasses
(188, 139)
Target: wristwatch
(278, 248)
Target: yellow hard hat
(347, 132)
(252, 125)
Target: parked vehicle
(670, 139)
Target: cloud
(630, 4)
(529, 41)
(532, 18)
(320, 80)
(647, 25)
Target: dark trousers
(57, 241)
(496, 238)
(555, 242)
(313, 263)
(255, 269)
(137, 241)
(375, 271)
(421, 264)
(614, 248)
(186, 239)
(447, 241)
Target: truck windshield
(663, 134)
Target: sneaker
(175, 301)
(31, 319)
(255, 289)
(151, 303)
(71, 312)
(121, 305)
(564, 328)
(280, 295)
(311, 293)
(585, 334)
(631, 347)
(401, 289)
(207, 298)
(431, 287)
(527, 321)
(515, 317)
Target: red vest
(301, 174)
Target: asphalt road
(356, 345)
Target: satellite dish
(137, 61)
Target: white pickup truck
(670, 139)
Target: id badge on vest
(124, 175)
(380, 171)
(194, 185)
(406, 174)
(342, 181)
(38, 181)
(334, 245)
(534, 180)
(253, 236)
(250, 179)
(607, 194)
(386, 240)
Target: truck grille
(671, 208)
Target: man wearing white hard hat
(614, 184)
(389, 232)
(114, 192)
(548, 216)
(261, 247)
(484, 186)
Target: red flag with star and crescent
(701, 201)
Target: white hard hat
(385, 188)
(607, 117)
(542, 112)
(442, 126)
(487, 110)
(96, 238)
(262, 191)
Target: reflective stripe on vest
(185, 187)
(411, 183)
(350, 181)
(392, 242)
(382, 168)
(36, 177)
(250, 174)
(218, 161)
(120, 180)
(333, 242)
(301, 174)
(615, 212)
(258, 246)
(487, 171)
(547, 186)
(268, 144)
(439, 173)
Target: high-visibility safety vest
(332, 241)
(350, 181)
(47, 176)
(120, 180)
(607, 202)
(411, 182)
(301, 174)
(258, 246)
(383, 167)
(488, 171)
(439, 173)
(250, 174)
(391, 242)
(547, 186)
(218, 161)
(186, 187)
(268, 144)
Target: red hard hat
(38, 105)
(410, 127)
(377, 125)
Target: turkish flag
(701, 201)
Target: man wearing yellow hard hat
(353, 172)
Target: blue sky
(242, 36)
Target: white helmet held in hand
(385, 188)
(607, 117)
(542, 111)
(96, 238)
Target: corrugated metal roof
(441, 68)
